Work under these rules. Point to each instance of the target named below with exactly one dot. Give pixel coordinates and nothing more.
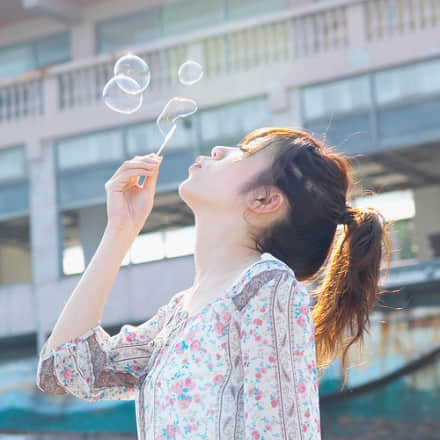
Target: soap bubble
(135, 68)
(190, 72)
(117, 99)
(174, 109)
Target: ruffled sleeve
(97, 366)
(280, 389)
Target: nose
(218, 151)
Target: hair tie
(347, 217)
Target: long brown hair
(316, 181)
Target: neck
(221, 252)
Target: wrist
(121, 235)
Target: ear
(265, 200)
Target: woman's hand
(128, 203)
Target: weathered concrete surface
(347, 428)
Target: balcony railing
(227, 50)
(385, 18)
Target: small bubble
(190, 72)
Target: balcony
(253, 57)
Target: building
(366, 73)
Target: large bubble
(117, 99)
(135, 68)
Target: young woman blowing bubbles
(237, 355)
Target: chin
(185, 190)
(193, 194)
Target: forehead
(259, 143)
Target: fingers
(140, 162)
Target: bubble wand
(174, 109)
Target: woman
(237, 355)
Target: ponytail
(348, 292)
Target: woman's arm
(96, 365)
(84, 308)
(128, 207)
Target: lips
(197, 163)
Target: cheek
(223, 185)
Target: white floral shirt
(244, 367)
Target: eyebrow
(242, 148)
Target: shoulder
(176, 299)
(268, 275)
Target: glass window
(12, 164)
(399, 208)
(414, 80)
(24, 57)
(83, 228)
(234, 120)
(16, 60)
(189, 15)
(239, 9)
(121, 32)
(179, 241)
(147, 138)
(146, 247)
(339, 96)
(15, 251)
(403, 240)
(53, 49)
(177, 17)
(73, 259)
(394, 205)
(90, 149)
(82, 231)
(14, 184)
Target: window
(231, 122)
(117, 33)
(398, 207)
(15, 254)
(186, 16)
(239, 9)
(12, 164)
(16, 60)
(415, 80)
(36, 54)
(90, 149)
(82, 231)
(177, 17)
(146, 138)
(335, 97)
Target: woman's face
(214, 187)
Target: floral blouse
(244, 367)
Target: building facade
(363, 73)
